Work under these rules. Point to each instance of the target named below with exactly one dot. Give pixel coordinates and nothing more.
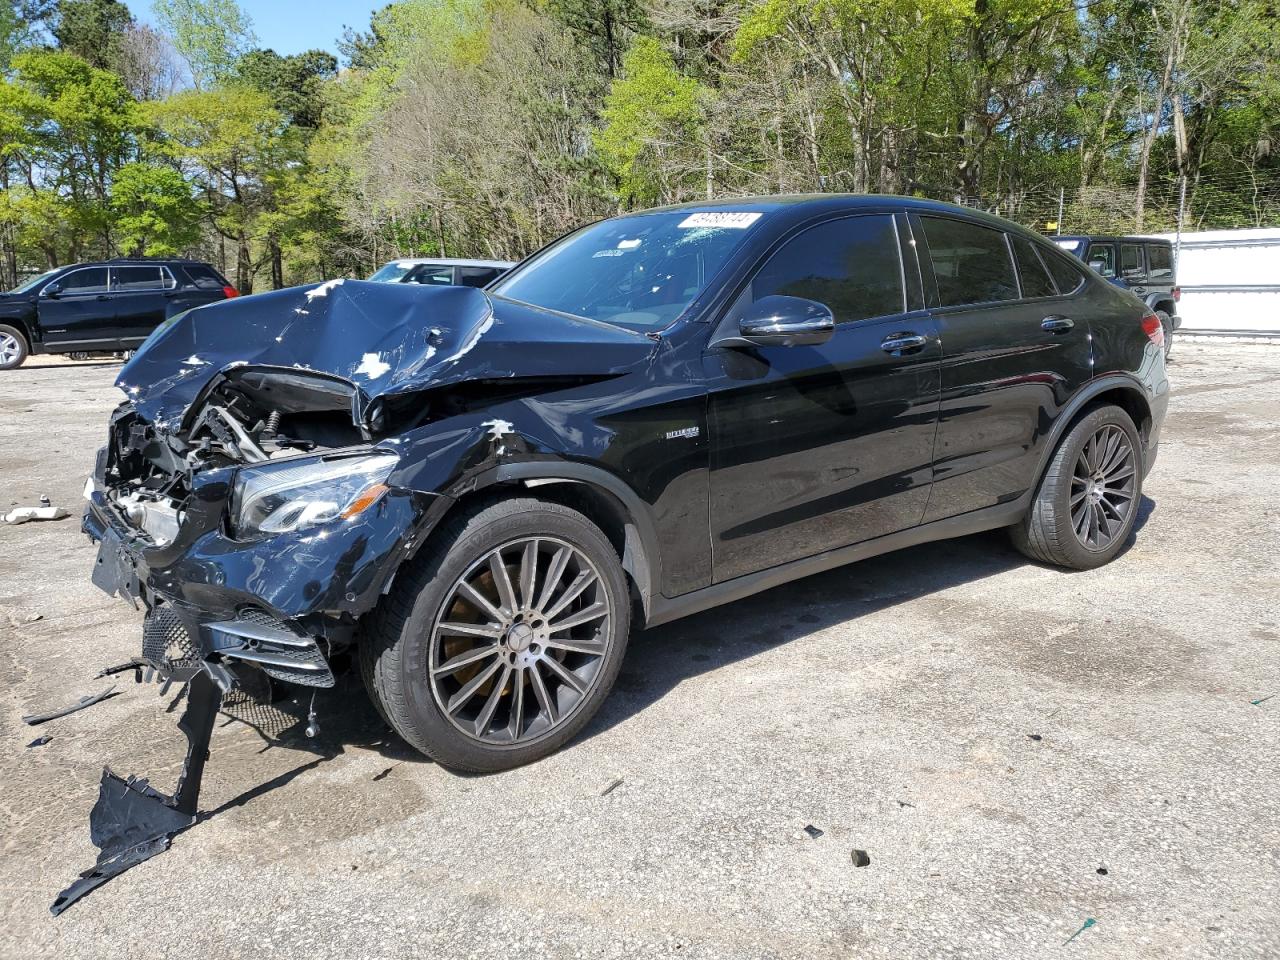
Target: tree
(92, 29)
(651, 118)
(231, 141)
(155, 214)
(210, 35)
(293, 82)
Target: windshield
(393, 271)
(24, 287)
(639, 272)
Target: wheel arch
(24, 327)
(1118, 390)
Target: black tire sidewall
(1058, 485)
(428, 726)
(24, 348)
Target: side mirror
(53, 291)
(784, 322)
(1098, 266)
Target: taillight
(1177, 294)
(1154, 329)
(230, 291)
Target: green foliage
(155, 213)
(210, 35)
(91, 29)
(651, 114)
(294, 83)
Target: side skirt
(666, 609)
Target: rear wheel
(499, 646)
(13, 347)
(1087, 501)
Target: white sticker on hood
(726, 219)
(372, 366)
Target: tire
(1049, 532)
(78, 355)
(527, 707)
(14, 348)
(1167, 322)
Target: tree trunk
(277, 264)
(1151, 132)
(244, 267)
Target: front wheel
(1087, 501)
(13, 347)
(498, 647)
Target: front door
(1015, 349)
(80, 313)
(818, 447)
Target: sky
(292, 26)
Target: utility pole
(1182, 206)
(1062, 196)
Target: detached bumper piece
(132, 821)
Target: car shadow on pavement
(660, 659)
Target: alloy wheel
(10, 349)
(520, 641)
(1102, 487)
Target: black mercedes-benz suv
(480, 493)
(109, 306)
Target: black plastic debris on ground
(34, 719)
(39, 741)
(613, 785)
(813, 831)
(132, 821)
(861, 858)
(1035, 736)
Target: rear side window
(1132, 266)
(434, 276)
(851, 265)
(477, 276)
(971, 262)
(91, 280)
(1036, 281)
(136, 279)
(203, 275)
(1159, 262)
(1065, 271)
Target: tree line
(487, 128)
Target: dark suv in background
(1140, 265)
(101, 307)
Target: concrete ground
(1020, 751)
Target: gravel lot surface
(1018, 750)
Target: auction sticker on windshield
(731, 220)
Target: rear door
(76, 310)
(1160, 271)
(140, 296)
(818, 447)
(1133, 268)
(1014, 351)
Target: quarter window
(1131, 265)
(1159, 263)
(971, 262)
(852, 265)
(1065, 271)
(1036, 281)
(89, 280)
(477, 276)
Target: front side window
(853, 265)
(90, 280)
(1159, 262)
(1131, 264)
(971, 262)
(1102, 257)
(640, 272)
(127, 279)
(1035, 278)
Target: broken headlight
(287, 496)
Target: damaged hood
(381, 338)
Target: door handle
(900, 343)
(101, 296)
(1138, 289)
(1057, 324)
